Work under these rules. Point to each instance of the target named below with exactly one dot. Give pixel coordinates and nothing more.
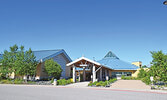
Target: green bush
(90, 84)
(68, 81)
(146, 80)
(142, 73)
(112, 80)
(101, 83)
(94, 83)
(0, 78)
(122, 77)
(31, 82)
(52, 80)
(6, 82)
(63, 82)
(18, 81)
(128, 78)
(98, 84)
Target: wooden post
(101, 74)
(84, 75)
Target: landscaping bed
(16, 81)
(102, 83)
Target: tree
(18, 61)
(53, 69)
(142, 73)
(7, 61)
(25, 63)
(159, 66)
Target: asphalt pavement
(24, 92)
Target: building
(109, 66)
(58, 55)
(83, 68)
(137, 63)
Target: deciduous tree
(53, 69)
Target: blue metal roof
(113, 62)
(47, 54)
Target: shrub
(68, 81)
(98, 84)
(31, 82)
(142, 73)
(122, 77)
(52, 80)
(6, 82)
(112, 80)
(63, 82)
(101, 83)
(94, 83)
(0, 78)
(146, 80)
(128, 78)
(18, 81)
(90, 84)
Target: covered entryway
(89, 70)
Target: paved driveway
(130, 84)
(23, 92)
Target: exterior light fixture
(165, 2)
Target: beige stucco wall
(137, 72)
(138, 63)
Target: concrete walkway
(130, 84)
(79, 84)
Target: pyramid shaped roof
(113, 62)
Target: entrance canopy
(96, 69)
(82, 62)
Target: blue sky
(129, 28)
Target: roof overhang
(55, 54)
(83, 58)
(87, 60)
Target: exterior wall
(38, 73)
(68, 72)
(132, 71)
(138, 63)
(42, 74)
(61, 60)
(137, 72)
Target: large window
(114, 74)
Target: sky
(90, 28)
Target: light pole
(165, 2)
